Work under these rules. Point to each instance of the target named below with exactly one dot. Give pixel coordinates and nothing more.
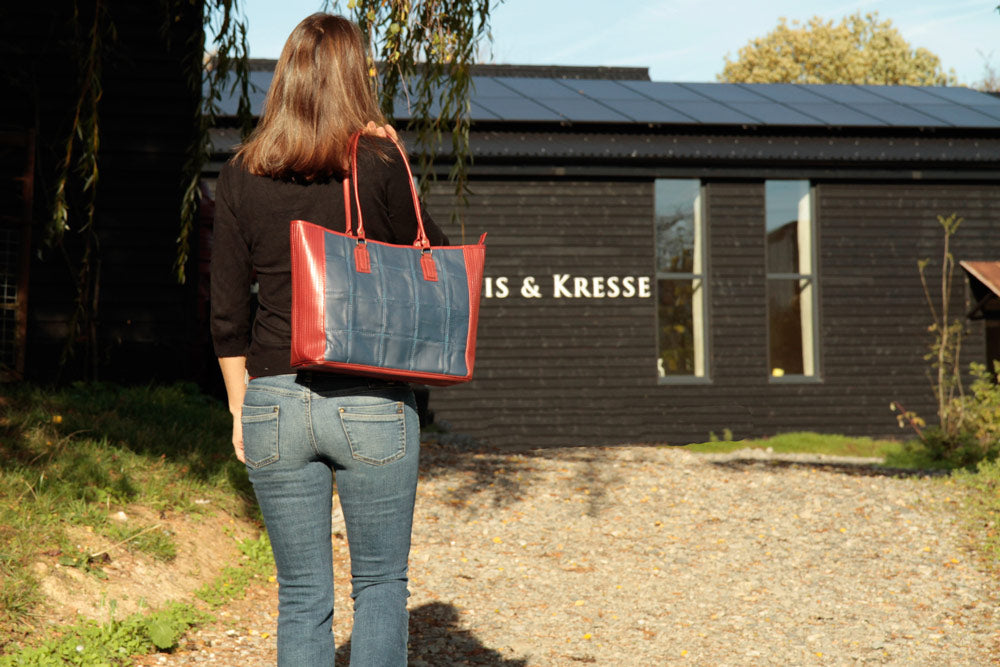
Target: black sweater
(251, 235)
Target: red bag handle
(421, 241)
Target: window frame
(810, 326)
(700, 256)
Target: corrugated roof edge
(529, 71)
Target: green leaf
(162, 633)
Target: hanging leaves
(78, 171)
(224, 67)
(426, 49)
(75, 193)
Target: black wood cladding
(550, 371)
(145, 319)
(582, 371)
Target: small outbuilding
(666, 261)
(984, 284)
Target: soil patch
(136, 581)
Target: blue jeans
(298, 430)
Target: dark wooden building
(669, 260)
(137, 322)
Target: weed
(91, 644)
(257, 560)
(973, 434)
(982, 508)
(78, 455)
(112, 643)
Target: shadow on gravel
(500, 476)
(436, 639)
(836, 467)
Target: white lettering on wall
(529, 290)
(496, 287)
(613, 290)
(628, 287)
(568, 286)
(597, 287)
(558, 286)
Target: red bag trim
(308, 290)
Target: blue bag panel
(392, 317)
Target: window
(680, 279)
(791, 280)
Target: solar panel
(991, 110)
(772, 113)
(517, 109)
(960, 95)
(602, 89)
(259, 83)
(570, 104)
(402, 107)
(479, 112)
(898, 115)
(726, 92)
(785, 92)
(904, 94)
(500, 101)
(526, 99)
(648, 111)
(713, 113)
(664, 92)
(538, 89)
(487, 86)
(843, 93)
(835, 114)
(582, 109)
(959, 116)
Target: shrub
(972, 431)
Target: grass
(89, 643)
(812, 443)
(112, 643)
(77, 456)
(981, 509)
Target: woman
(293, 430)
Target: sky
(678, 40)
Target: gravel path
(657, 556)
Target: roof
(988, 273)
(621, 96)
(984, 280)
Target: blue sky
(678, 40)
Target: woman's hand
(386, 131)
(238, 436)
(234, 374)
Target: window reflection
(784, 314)
(675, 225)
(679, 263)
(790, 286)
(678, 352)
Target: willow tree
(859, 50)
(420, 50)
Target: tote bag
(400, 312)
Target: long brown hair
(320, 95)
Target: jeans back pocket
(376, 433)
(260, 434)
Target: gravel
(658, 556)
